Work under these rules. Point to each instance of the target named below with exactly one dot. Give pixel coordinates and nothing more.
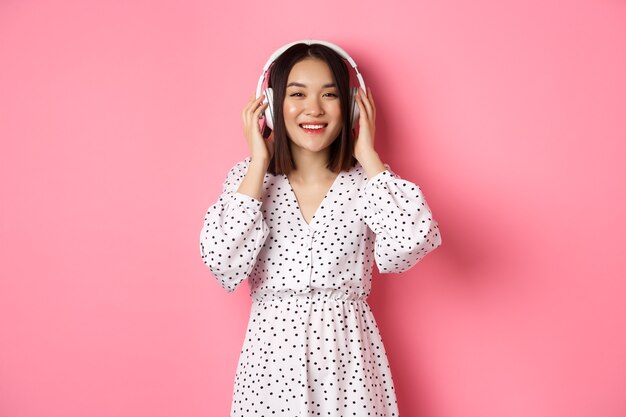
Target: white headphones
(269, 93)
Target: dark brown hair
(341, 150)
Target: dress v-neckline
(298, 210)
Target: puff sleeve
(396, 211)
(233, 232)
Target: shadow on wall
(475, 244)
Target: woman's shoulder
(357, 170)
(355, 175)
(239, 168)
(243, 163)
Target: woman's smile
(314, 129)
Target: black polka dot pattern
(312, 346)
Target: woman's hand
(261, 150)
(364, 147)
(367, 124)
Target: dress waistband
(312, 295)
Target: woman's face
(312, 109)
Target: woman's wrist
(252, 183)
(259, 163)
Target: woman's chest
(291, 213)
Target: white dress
(312, 346)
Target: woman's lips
(313, 127)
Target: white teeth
(312, 126)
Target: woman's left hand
(364, 147)
(367, 124)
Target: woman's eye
(333, 95)
(296, 95)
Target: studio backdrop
(119, 121)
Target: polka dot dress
(312, 346)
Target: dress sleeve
(233, 232)
(396, 211)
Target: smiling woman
(310, 69)
(304, 218)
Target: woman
(304, 218)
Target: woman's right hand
(260, 149)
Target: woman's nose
(314, 107)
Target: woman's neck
(311, 166)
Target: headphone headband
(332, 46)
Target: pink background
(119, 121)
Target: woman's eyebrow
(297, 84)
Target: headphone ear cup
(354, 117)
(269, 111)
